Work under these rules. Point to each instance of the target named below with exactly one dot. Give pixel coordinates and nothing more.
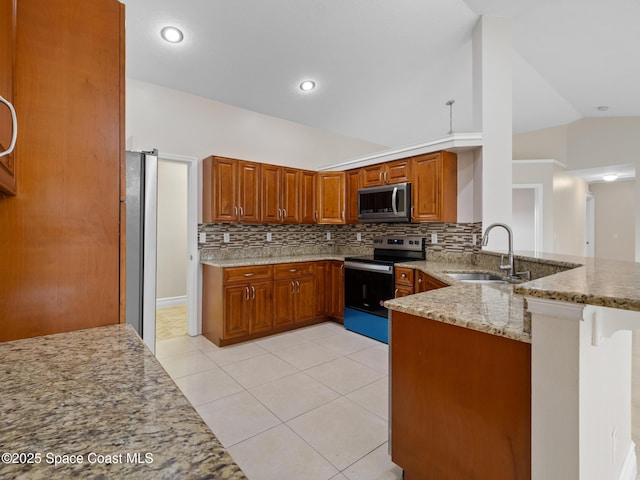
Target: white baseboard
(629, 469)
(170, 301)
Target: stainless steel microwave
(388, 203)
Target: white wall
(182, 124)
(615, 220)
(569, 213)
(523, 219)
(172, 230)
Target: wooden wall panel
(60, 236)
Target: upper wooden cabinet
(331, 197)
(353, 184)
(398, 171)
(7, 90)
(231, 190)
(281, 194)
(308, 211)
(435, 187)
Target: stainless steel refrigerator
(141, 245)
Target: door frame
(590, 225)
(193, 257)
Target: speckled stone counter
(499, 309)
(248, 261)
(101, 397)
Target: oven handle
(369, 267)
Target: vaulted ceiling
(385, 68)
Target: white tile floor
(311, 404)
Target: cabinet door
(220, 190)
(337, 289)
(7, 72)
(283, 309)
(425, 282)
(261, 317)
(372, 176)
(403, 291)
(291, 185)
(331, 197)
(305, 298)
(236, 311)
(398, 171)
(323, 289)
(353, 184)
(271, 193)
(404, 276)
(308, 212)
(426, 191)
(249, 191)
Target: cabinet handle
(395, 294)
(246, 293)
(297, 286)
(248, 274)
(253, 292)
(412, 216)
(380, 176)
(284, 214)
(14, 122)
(343, 215)
(293, 270)
(279, 214)
(419, 280)
(315, 215)
(342, 270)
(241, 212)
(235, 209)
(385, 177)
(404, 275)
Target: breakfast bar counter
(96, 404)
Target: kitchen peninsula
(96, 403)
(543, 398)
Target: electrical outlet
(474, 239)
(328, 235)
(359, 236)
(225, 238)
(203, 237)
(269, 237)
(434, 238)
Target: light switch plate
(328, 235)
(359, 236)
(434, 238)
(203, 237)
(269, 237)
(225, 238)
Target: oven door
(367, 286)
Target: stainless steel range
(369, 281)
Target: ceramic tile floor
(309, 404)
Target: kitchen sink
(477, 277)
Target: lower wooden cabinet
(425, 282)
(242, 303)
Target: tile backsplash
(251, 240)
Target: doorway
(177, 251)
(590, 226)
(527, 217)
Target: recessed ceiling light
(603, 108)
(307, 85)
(172, 34)
(610, 177)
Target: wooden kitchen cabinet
(295, 293)
(398, 171)
(353, 184)
(337, 290)
(331, 200)
(231, 190)
(281, 194)
(7, 90)
(404, 281)
(435, 187)
(308, 211)
(425, 282)
(62, 259)
(323, 288)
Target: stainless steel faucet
(485, 239)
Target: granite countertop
(99, 394)
(500, 309)
(249, 261)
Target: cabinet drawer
(404, 276)
(245, 274)
(285, 270)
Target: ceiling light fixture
(307, 85)
(172, 34)
(610, 177)
(603, 108)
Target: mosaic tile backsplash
(251, 240)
